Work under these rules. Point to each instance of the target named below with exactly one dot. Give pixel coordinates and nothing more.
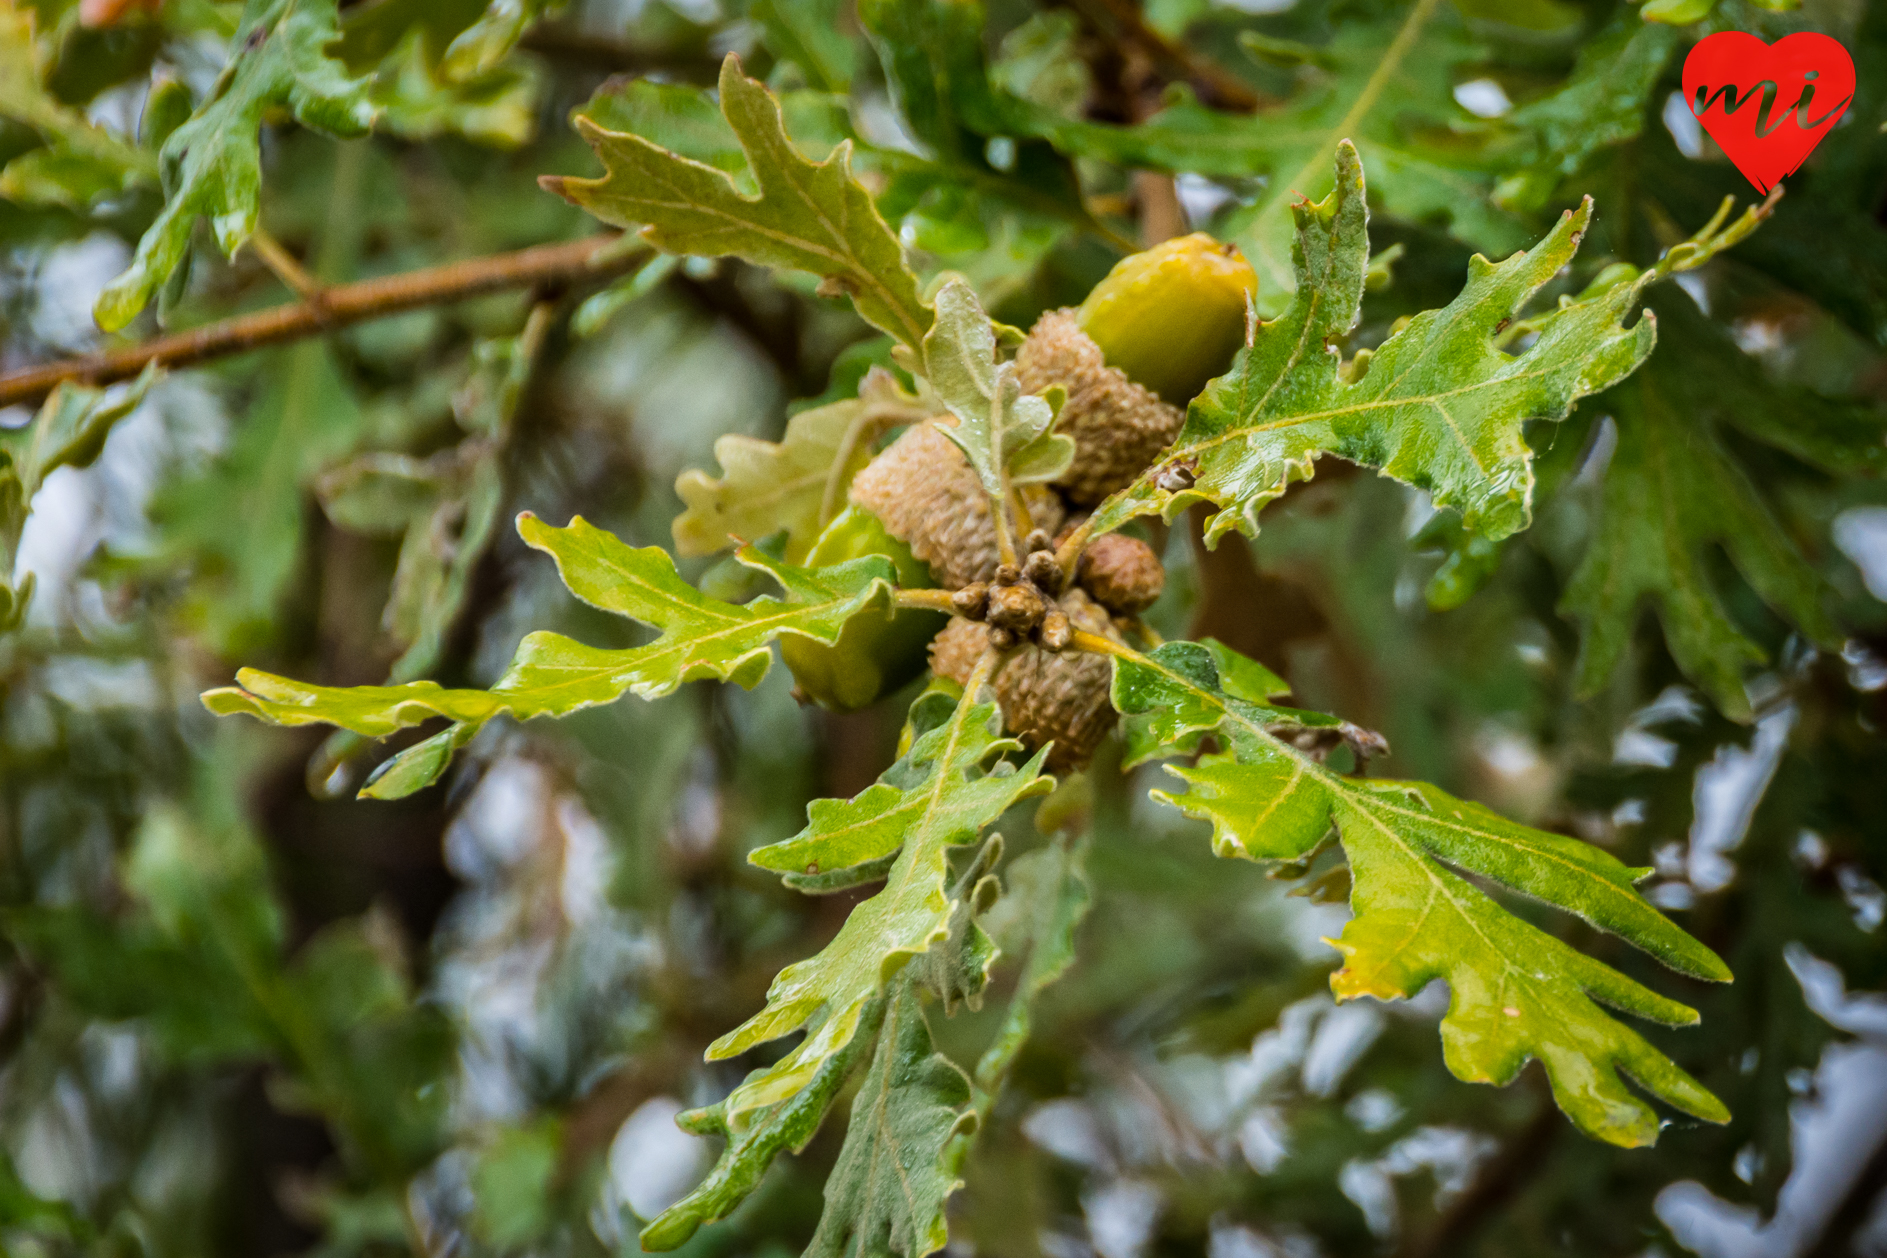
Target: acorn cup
(1147, 339)
(928, 496)
(1046, 696)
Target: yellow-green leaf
(938, 795)
(552, 675)
(808, 216)
(796, 484)
(1516, 991)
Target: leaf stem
(928, 600)
(594, 257)
(1095, 644)
(285, 267)
(1068, 554)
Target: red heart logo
(1768, 105)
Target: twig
(1215, 86)
(595, 257)
(286, 268)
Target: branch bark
(594, 257)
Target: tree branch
(594, 257)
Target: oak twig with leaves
(1439, 405)
(1149, 342)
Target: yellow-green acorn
(1171, 317)
(875, 653)
(1147, 339)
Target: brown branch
(595, 257)
(1216, 86)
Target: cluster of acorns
(1146, 340)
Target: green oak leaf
(479, 48)
(424, 87)
(1001, 431)
(937, 796)
(957, 967)
(212, 164)
(1671, 493)
(762, 1136)
(797, 483)
(69, 431)
(1387, 89)
(1516, 991)
(80, 161)
(898, 1165)
(552, 675)
(1440, 405)
(303, 417)
(1047, 900)
(1222, 676)
(1603, 103)
(808, 216)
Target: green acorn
(1171, 317)
(874, 654)
(1147, 339)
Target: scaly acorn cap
(1045, 695)
(1143, 344)
(1118, 426)
(929, 498)
(1122, 573)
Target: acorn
(1122, 573)
(925, 492)
(1045, 695)
(1147, 339)
(875, 653)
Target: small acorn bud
(1043, 572)
(971, 600)
(1018, 608)
(1007, 574)
(1122, 573)
(1001, 639)
(1038, 540)
(1056, 631)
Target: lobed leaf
(552, 675)
(795, 484)
(69, 431)
(938, 795)
(1441, 405)
(808, 216)
(1049, 898)
(212, 164)
(1670, 494)
(752, 1146)
(898, 1165)
(80, 161)
(1603, 103)
(1002, 432)
(1516, 992)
